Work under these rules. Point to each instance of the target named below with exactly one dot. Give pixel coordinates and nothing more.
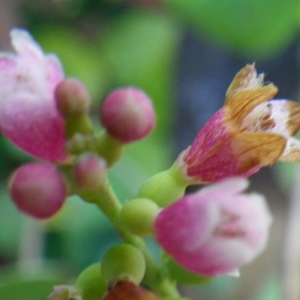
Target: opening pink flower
(28, 113)
(249, 132)
(216, 230)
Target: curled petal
(246, 78)
(244, 101)
(277, 116)
(25, 45)
(258, 149)
(292, 151)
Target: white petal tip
(234, 273)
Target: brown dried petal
(243, 102)
(246, 78)
(258, 149)
(293, 123)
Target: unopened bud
(127, 114)
(91, 283)
(72, 98)
(123, 262)
(138, 216)
(38, 189)
(90, 171)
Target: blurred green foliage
(253, 28)
(108, 44)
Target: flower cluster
(210, 233)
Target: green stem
(109, 204)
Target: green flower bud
(184, 276)
(168, 186)
(138, 216)
(123, 262)
(109, 148)
(91, 283)
(81, 143)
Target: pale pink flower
(216, 230)
(28, 113)
(248, 133)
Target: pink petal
(212, 156)
(28, 113)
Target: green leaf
(140, 49)
(33, 290)
(37, 286)
(10, 222)
(256, 27)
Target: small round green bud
(123, 262)
(138, 216)
(91, 283)
(72, 98)
(80, 143)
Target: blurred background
(184, 54)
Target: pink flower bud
(90, 171)
(72, 98)
(38, 189)
(28, 113)
(127, 114)
(215, 230)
